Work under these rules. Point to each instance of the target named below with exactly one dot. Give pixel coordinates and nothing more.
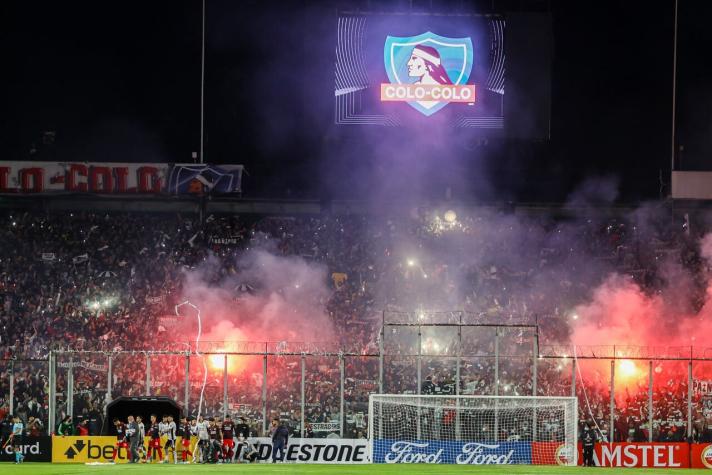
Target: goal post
(476, 430)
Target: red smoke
(620, 313)
(273, 298)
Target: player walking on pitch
(185, 432)
(215, 451)
(154, 444)
(122, 441)
(203, 449)
(169, 429)
(228, 441)
(141, 449)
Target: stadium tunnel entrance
(142, 406)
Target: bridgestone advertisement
(35, 449)
(317, 450)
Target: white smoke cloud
(282, 298)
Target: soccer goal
(474, 430)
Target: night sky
(120, 81)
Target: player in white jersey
(169, 429)
(162, 425)
(162, 430)
(142, 453)
(201, 430)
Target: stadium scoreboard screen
(401, 70)
(395, 69)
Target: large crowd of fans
(94, 281)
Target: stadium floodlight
(475, 430)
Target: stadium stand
(53, 265)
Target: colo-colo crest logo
(428, 71)
(473, 453)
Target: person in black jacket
(588, 440)
(242, 429)
(280, 437)
(5, 429)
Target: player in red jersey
(228, 441)
(215, 441)
(121, 439)
(185, 432)
(154, 444)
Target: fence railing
(321, 389)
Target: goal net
(476, 430)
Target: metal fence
(316, 390)
(634, 393)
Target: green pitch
(299, 469)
